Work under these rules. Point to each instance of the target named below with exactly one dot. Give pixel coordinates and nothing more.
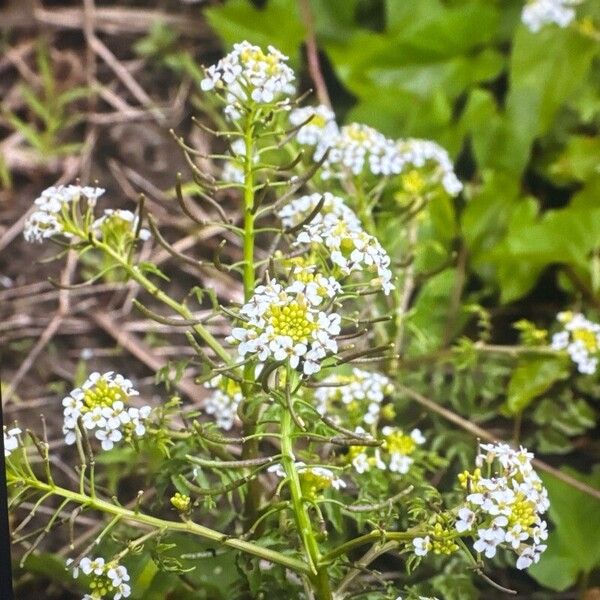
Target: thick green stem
(319, 577)
(250, 448)
(162, 524)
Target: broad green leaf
(533, 376)
(277, 24)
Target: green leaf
(277, 24)
(531, 378)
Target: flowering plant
(329, 458)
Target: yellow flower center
(357, 134)
(523, 512)
(292, 320)
(398, 442)
(318, 121)
(259, 56)
(313, 483)
(587, 337)
(101, 394)
(413, 182)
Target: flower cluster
(11, 440)
(416, 154)
(108, 580)
(581, 339)
(224, 401)
(118, 223)
(440, 540)
(356, 147)
(539, 13)
(47, 218)
(299, 209)
(317, 128)
(313, 480)
(360, 395)
(394, 455)
(504, 508)
(285, 324)
(248, 73)
(101, 403)
(350, 247)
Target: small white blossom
(422, 545)
(537, 14)
(247, 74)
(580, 339)
(530, 556)
(320, 131)
(11, 440)
(223, 402)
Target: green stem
(250, 449)
(174, 526)
(368, 538)
(319, 577)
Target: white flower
(530, 555)
(361, 463)
(320, 131)
(581, 339)
(487, 542)
(223, 402)
(89, 566)
(282, 325)
(248, 74)
(400, 463)
(394, 455)
(101, 403)
(119, 218)
(118, 574)
(422, 545)
(11, 440)
(417, 436)
(538, 13)
(419, 154)
(466, 520)
(298, 210)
